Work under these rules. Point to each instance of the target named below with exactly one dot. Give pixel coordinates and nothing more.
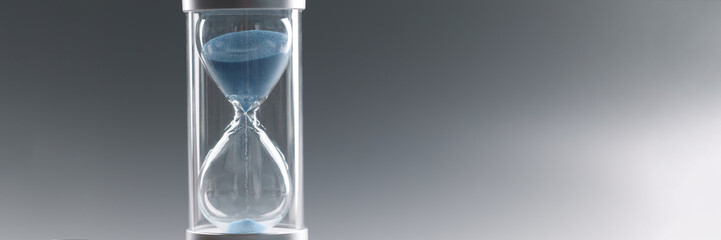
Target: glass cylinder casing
(244, 122)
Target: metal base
(274, 234)
(198, 5)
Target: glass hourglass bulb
(244, 184)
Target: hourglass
(244, 183)
(247, 181)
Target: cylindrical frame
(209, 112)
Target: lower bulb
(244, 184)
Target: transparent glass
(244, 121)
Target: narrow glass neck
(240, 113)
(244, 118)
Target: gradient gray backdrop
(423, 119)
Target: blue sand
(246, 65)
(245, 226)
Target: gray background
(423, 120)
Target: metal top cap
(199, 5)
